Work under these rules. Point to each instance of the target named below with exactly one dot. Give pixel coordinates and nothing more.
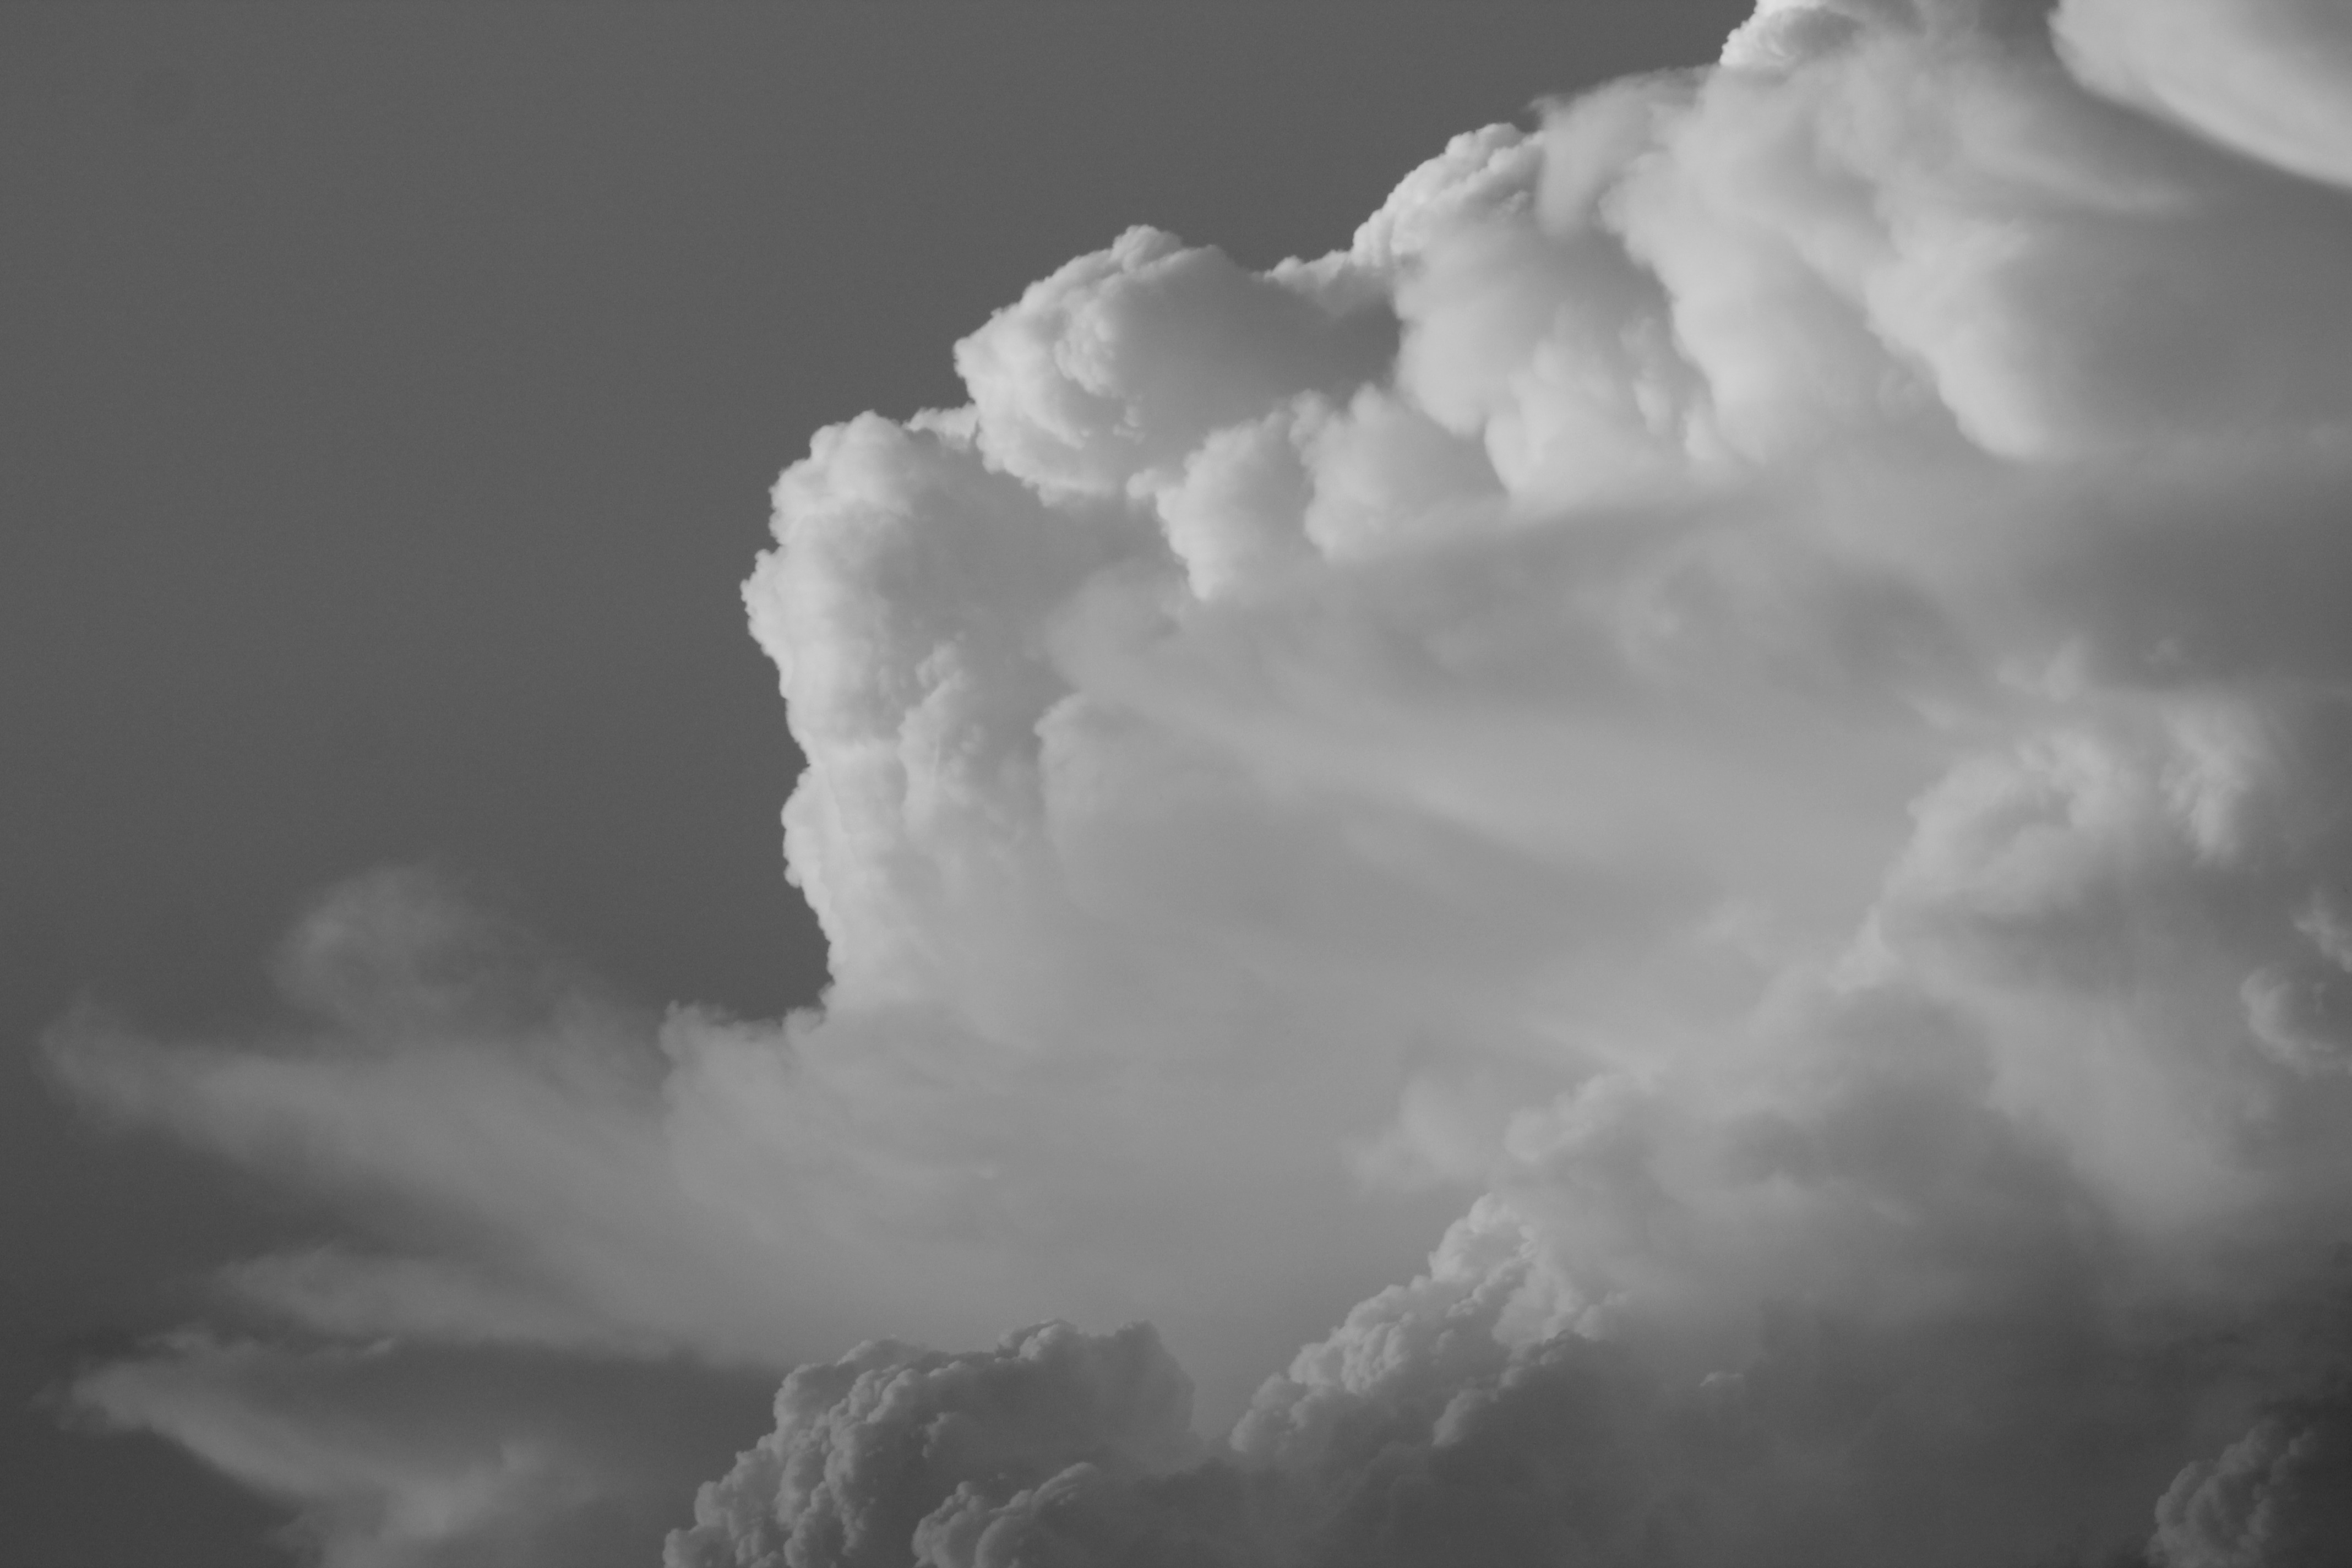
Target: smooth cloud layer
(1754, 678)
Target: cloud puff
(964, 1461)
(2280, 1496)
(1750, 683)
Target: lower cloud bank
(1062, 1449)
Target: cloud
(523, 1160)
(1750, 685)
(1785, 568)
(2269, 78)
(390, 1459)
(954, 1458)
(470, 1101)
(2280, 1496)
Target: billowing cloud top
(1754, 678)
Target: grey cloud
(2280, 1496)
(893, 1451)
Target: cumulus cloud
(962, 1459)
(1808, 638)
(2280, 1496)
(1750, 685)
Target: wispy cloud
(389, 1458)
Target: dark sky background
(391, 396)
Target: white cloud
(1755, 673)
(2269, 78)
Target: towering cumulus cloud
(1766, 662)
(1750, 697)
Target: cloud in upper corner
(2269, 78)
(1750, 686)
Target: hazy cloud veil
(1753, 687)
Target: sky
(1558, 785)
